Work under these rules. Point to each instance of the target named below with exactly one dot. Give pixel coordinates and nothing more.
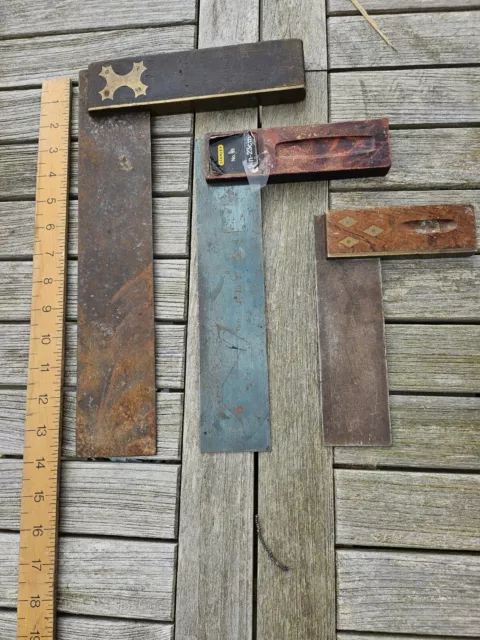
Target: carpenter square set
(116, 390)
(116, 378)
(116, 337)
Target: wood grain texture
(295, 492)
(400, 6)
(169, 345)
(65, 55)
(413, 289)
(427, 432)
(352, 350)
(85, 628)
(419, 593)
(354, 199)
(427, 159)
(98, 498)
(170, 290)
(351, 635)
(12, 424)
(417, 96)
(170, 228)
(425, 39)
(170, 157)
(307, 21)
(397, 231)
(438, 358)
(67, 15)
(405, 509)
(102, 577)
(431, 289)
(420, 357)
(215, 563)
(20, 109)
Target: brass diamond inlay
(373, 230)
(348, 221)
(349, 241)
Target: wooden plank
(437, 358)
(295, 480)
(427, 431)
(170, 156)
(20, 109)
(417, 96)
(116, 339)
(25, 19)
(401, 6)
(98, 498)
(76, 627)
(170, 228)
(427, 358)
(67, 54)
(405, 509)
(170, 290)
(170, 357)
(351, 635)
(102, 577)
(413, 290)
(215, 563)
(427, 159)
(354, 199)
(309, 25)
(396, 231)
(12, 421)
(352, 348)
(234, 407)
(420, 39)
(430, 290)
(419, 593)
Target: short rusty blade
(355, 404)
(410, 230)
(116, 349)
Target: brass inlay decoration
(348, 221)
(132, 79)
(373, 230)
(349, 241)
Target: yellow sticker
(221, 155)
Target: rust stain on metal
(307, 152)
(116, 348)
(355, 402)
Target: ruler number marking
(38, 530)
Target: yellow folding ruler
(41, 460)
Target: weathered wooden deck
(165, 547)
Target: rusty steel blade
(351, 331)
(116, 349)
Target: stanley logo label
(221, 155)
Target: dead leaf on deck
(372, 22)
